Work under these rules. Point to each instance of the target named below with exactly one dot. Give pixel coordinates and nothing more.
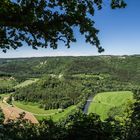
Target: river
(90, 98)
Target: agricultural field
(97, 76)
(40, 114)
(56, 117)
(102, 103)
(26, 82)
(33, 108)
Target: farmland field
(103, 102)
(33, 108)
(63, 114)
(40, 114)
(57, 115)
(26, 83)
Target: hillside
(123, 68)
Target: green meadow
(26, 82)
(40, 114)
(33, 108)
(103, 102)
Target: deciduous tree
(40, 23)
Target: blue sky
(119, 35)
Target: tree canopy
(42, 23)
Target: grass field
(58, 116)
(33, 108)
(100, 76)
(44, 114)
(5, 95)
(26, 83)
(63, 114)
(103, 102)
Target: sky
(119, 35)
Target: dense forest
(124, 68)
(51, 93)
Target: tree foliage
(40, 23)
(125, 68)
(52, 93)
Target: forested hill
(126, 68)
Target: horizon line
(71, 56)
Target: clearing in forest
(26, 82)
(110, 103)
(40, 114)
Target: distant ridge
(124, 67)
(137, 55)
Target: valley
(101, 88)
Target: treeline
(101, 83)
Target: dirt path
(12, 112)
